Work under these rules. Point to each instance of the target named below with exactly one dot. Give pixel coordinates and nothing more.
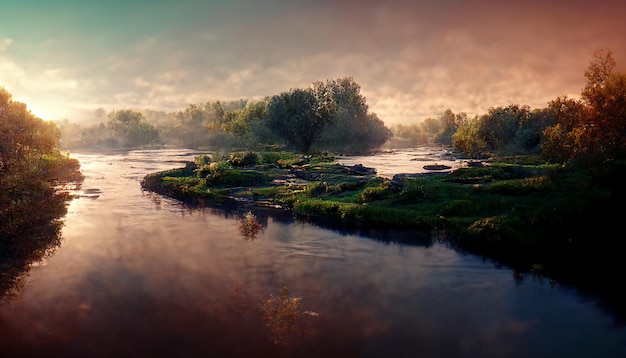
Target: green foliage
(459, 207)
(407, 136)
(502, 131)
(218, 167)
(512, 207)
(492, 229)
(328, 116)
(237, 178)
(316, 189)
(590, 131)
(244, 159)
(274, 157)
(33, 174)
(352, 129)
(522, 186)
(410, 195)
(378, 192)
(131, 128)
(202, 160)
(298, 117)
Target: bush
(243, 159)
(234, 178)
(203, 160)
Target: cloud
(4, 43)
(412, 59)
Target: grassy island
(528, 214)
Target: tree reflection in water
(285, 318)
(281, 318)
(29, 233)
(249, 226)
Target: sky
(412, 58)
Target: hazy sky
(413, 58)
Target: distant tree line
(330, 115)
(333, 116)
(589, 130)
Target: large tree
(352, 128)
(605, 96)
(592, 129)
(298, 117)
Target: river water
(140, 275)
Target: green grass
(513, 206)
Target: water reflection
(249, 226)
(34, 235)
(140, 275)
(282, 318)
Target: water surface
(141, 275)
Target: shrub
(218, 167)
(203, 160)
(234, 178)
(274, 157)
(243, 159)
(498, 229)
(316, 189)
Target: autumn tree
(605, 97)
(467, 139)
(592, 129)
(567, 138)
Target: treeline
(327, 116)
(589, 130)
(333, 116)
(513, 129)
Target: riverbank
(532, 216)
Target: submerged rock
(360, 169)
(437, 167)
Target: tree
(498, 127)
(131, 128)
(529, 132)
(31, 167)
(467, 139)
(566, 139)
(605, 95)
(249, 126)
(352, 128)
(447, 125)
(591, 130)
(298, 118)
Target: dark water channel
(139, 275)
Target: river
(140, 275)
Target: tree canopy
(329, 115)
(593, 128)
(31, 166)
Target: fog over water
(140, 275)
